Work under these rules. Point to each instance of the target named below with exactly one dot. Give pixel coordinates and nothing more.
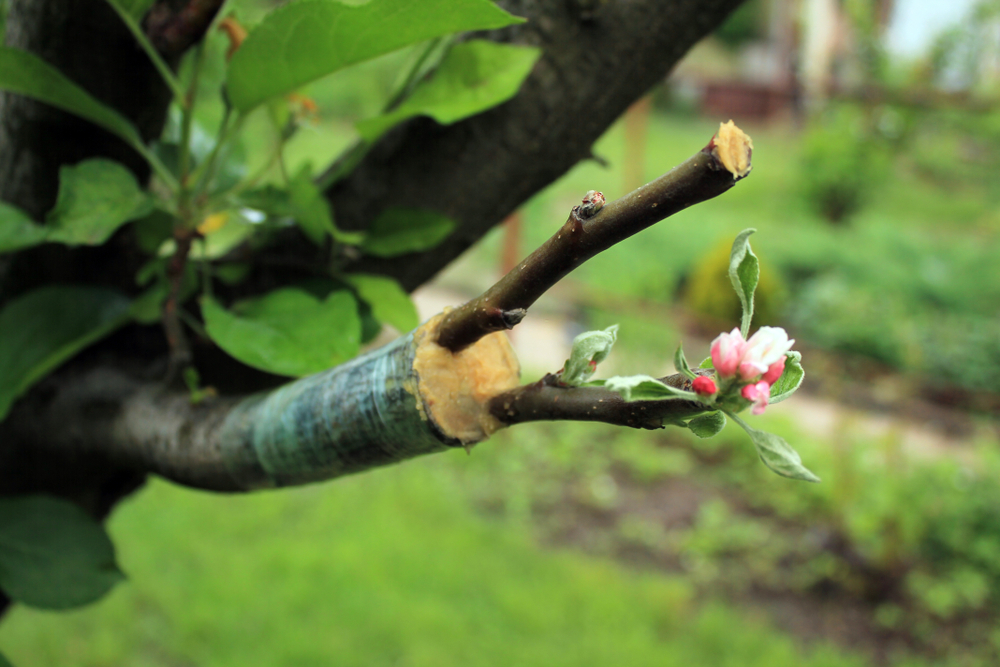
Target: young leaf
(472, 78)
(45, 327)
(707, 425)
(681, 363)
(17, 231)
(27, 74)
(776, 454)
(401, 230)
(96, 197)
(287, 331)
(304, 41)
(706, 363)
(312, 211)
(589, 349)
(52, 554)
(744, 271)
(388, 302)
(790, 379)
(646, 388)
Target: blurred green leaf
(96, 197)
(776, 454)
(304, 41)
(790, 379)
(311, 210)
(744, 272)
(43, 328)
(646, 388)
(402, 230)
(707, 425)
(473, 77)
(27, 74)
(389, 302)
(135, 8)
(287, 331)
(4, 662)
(17, 231)
(52, 554)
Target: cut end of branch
(455, 387)
(733, 148)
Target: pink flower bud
(774, 371)
(704, 386)
(727, 351)
(758, 394)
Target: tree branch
(481, 169)
(595, 227)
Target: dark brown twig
(707, 174)
(173, 26)
(547, 400)
(180, 350)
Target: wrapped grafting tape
(408, 398)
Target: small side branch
(547, 400)
(592, 228)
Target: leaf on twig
(776, 454)
(401, 230)
(52, 554)
(304, 41)
(790, 379)
(646, 388)
(744, 272)
(287, 331)
(472, 78)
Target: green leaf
(4, 662)
(287, 331)
(776, 454)
(27, 74)
(43, 328)
(706, 363)
(52, 554)
(744, 272)
(306, 40)
(790, 379)
(472, 78)
(96, 197)
(401, 230)
(389, 302)
(707, 425)
(589, 349)
(681, 363)
(646, 388)
(135, 8)
(17, 231)
(312, 212)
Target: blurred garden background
(877, 203)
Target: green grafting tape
(354, 417)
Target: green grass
(392, 567)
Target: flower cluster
(754, 364)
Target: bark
(596, 63)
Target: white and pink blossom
(764, 349)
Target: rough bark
(595, 64)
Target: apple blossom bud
(774, 371)
(759, 394)
(727, 350)
(704, 386)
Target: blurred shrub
(709, 294)
(843, 162)
(744, 25)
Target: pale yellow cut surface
(455, 388)
(733, 148)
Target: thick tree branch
(479, 170)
